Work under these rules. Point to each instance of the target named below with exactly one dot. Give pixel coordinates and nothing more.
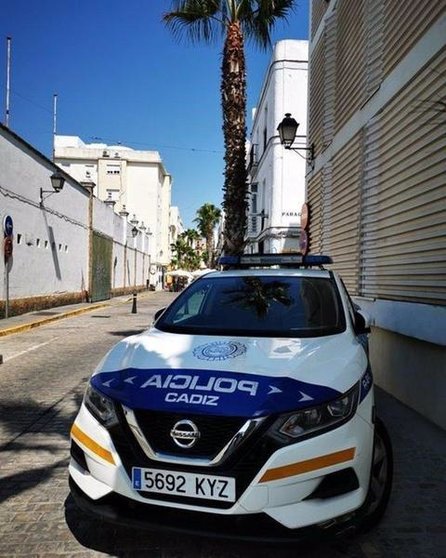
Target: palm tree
(207, 218)
(237, 20)
(191, 236)
(180, 248)
(185, 256)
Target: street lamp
(287, 133)
(134, 220)
(57, 182)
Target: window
(191, 306)
(113, 169)
(265, 129)
(112, 194)
(258, 306)
(254, 208)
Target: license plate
(178, 483)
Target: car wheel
(380, 480)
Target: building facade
(67, 246)
(136, 182)
(277, 175)
(377, 191)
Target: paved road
(42, 381)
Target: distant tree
(191, 236)
(207, 218)
(192, 260)
(185, 257)
(202, 20)
(179, 248)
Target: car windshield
(259, 306)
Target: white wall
(51, 240)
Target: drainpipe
(89, 186)
(124, 214)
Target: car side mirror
(158, 313)
(361, 324)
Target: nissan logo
(185, 433)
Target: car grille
(215, 432)
(243, 464)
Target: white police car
(246, 410)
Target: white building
(136, 181)
(176, 226)
(277, 175)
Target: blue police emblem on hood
(210, 391)
(219, 350)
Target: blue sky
(122, 77)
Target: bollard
(134, 304)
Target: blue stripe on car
(210, 392)
(366, 383)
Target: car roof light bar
(283, 260)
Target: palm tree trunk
(233, 91)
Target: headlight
(307, 421)
(100, 407)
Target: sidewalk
(31, 320)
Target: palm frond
(259, 17)
(195, 20)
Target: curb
(32, 325)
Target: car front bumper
(286, 492)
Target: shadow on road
(36, 434)
(11, 485)
(121, 542)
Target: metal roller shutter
(403, 254)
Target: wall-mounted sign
(8, 226)
(304, 216)
(303, 242)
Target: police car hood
(233, 376)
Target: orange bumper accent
(308, 465)
(89, 443)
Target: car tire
(380, 486)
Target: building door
(101, 267)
